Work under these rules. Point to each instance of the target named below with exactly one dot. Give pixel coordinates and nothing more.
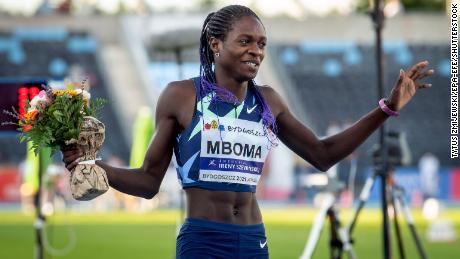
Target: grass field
(152, 235)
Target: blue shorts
(202, 239)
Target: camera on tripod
(396, 149)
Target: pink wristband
(387, 110)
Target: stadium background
(320, 58)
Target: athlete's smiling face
(243, 49)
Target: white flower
(86, 95)
(31, 109)
(39, 100)
(35, 101)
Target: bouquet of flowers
(56, 118)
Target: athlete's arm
(321, 153)
(324, 153)
(145, 181)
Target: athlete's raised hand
(407, 84)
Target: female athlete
(221, 126)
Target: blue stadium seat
(338, 83)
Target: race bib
(232, 151)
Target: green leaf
(58, 115)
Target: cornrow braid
(218, 25)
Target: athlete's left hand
(407, 84)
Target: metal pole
(399, 240)
(40, 218)
(378, 19)
(317, 225)
(410, 221)
(363, 197)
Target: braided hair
(218, 25)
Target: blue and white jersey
(224, 147)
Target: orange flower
(31, 115)
(59, 92)
(26, 128)
(72, 92)
(34, 114)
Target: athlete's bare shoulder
(266, 89)
(274, 100)
(182, 88)
(177, 101)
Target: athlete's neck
(237, 88)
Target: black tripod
(339, 239)
(378, 19)
(384, 168)
(395, 195)
(381, 170)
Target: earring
(217, 54)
